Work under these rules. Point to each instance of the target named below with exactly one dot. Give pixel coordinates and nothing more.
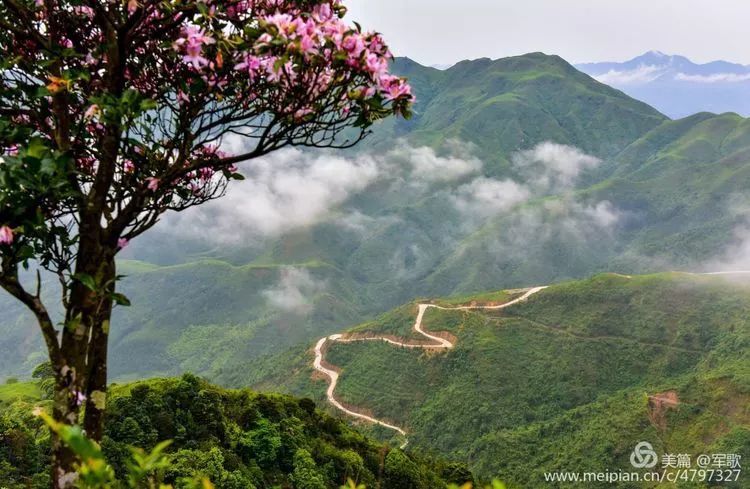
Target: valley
(493, 184)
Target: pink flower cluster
(198, 180)
(323, 35)
(297, 61)
(288, 47)
(191, 43)
(6, 235)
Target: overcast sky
(442, 31)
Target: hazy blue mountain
(676, 86)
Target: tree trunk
(81, 376)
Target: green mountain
(514, 103)
(569, 380)
(238, 439)
(665, 195)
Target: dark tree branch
(9, 281)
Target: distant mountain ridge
(677, 86)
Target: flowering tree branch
(113, 112)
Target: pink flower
(79, 397)
(84, 11)
(394, 87)
(6, 235)
(91, 112)
(194, 57)
(354, 45)
(128, 166)
(153, 184)
(251, 64)
(301, 113)
(193, 41)
(122, 243)
(306, 44)
(376, 65)
(322, 12)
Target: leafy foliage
(235, 439)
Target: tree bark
(81, 374)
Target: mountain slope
(215, 293)
(677, 198)
(201, 316)
(595, 357)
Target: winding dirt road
(438, 343)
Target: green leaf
(83, 447)
(36, 148)
(87, 280)
(120, 299)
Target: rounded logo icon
(643, 456)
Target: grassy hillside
(563, 381)
(16, 391)
(238, 439)
(687, 198)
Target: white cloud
(736, 255)
(427, 165)
(548, 167)
(553, 167)
(362, 223)
(285, 190)
(714, 78)
(564, 223)
(581, 220)
(642, 74)
(292, 189)
(485, 197)
(603, 214)
(452, 162)
(294, 291)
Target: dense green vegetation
(562, 382)
(237, 439)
